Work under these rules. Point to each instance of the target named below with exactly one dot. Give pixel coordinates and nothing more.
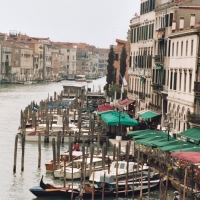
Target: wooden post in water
(185, 183)
(114, 151)
(93, 171)
(166, 188)
(83, 163)
(58, 149)
(98, 142)
(141, 176)
(103, 189)
(70, 153)
(148, 178)
(23, 151)
(127, 168)
(65, 172)
(39, 149)
(133, 182)
(15, 154)
(54, 153)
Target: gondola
(48, 190)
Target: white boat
(122, 170)
(77, 168)
(66, 156)
(81, 78)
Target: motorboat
(64, 156)
(77, 168)
(81, 78)
(122, 171)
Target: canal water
(13, 98)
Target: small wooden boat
(75, 155)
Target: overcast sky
(96, 22)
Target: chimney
(192, 20)
(173, 25)
(181, 25)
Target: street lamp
(168, 123)
(120, 109)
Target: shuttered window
(175, 80)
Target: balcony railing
(141, 95)
(158, 59)
(196, 86)
(194, 118)
(157, 87)
(165, 1)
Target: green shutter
(175, 80)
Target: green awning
(190, 135)
(140, 132)
(171, 141)
(148, 114)
(151, 141)
(159, 67)
(177, 146)
(193, 149)
(142, 79)
(150, 135)
(114, 118)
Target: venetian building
(141, 53)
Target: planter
(118, 138)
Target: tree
(110, 77)
(123, 62)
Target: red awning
(189, 156)
(126, 102)
(105, 107)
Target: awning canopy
(150, 141)
(105, 107)
(190, 135)
(148, 114)
(181, 145)
(194, 157)
(112, 119)
(126, 102)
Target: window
(186, 48)
(169, 48)
(67, 57)
(177, 48)
(192, 46)
(175, 79)
(190, 83)
(182, 48)
(180, 79)
(172, 49)
(68, 50)
(116, 57)
(185, 79)
(171, 79)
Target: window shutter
(166, 20)
(170, 19)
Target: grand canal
(13, 98)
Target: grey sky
(95, 22)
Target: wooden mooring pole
(23, 152)
(39, 150)
(15, 154)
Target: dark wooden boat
(48, 190)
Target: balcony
(158, 59)
(157, 87)
(196, 86)
(141, 95)
(194, 118)
(135, 20)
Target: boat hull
(39, 192)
